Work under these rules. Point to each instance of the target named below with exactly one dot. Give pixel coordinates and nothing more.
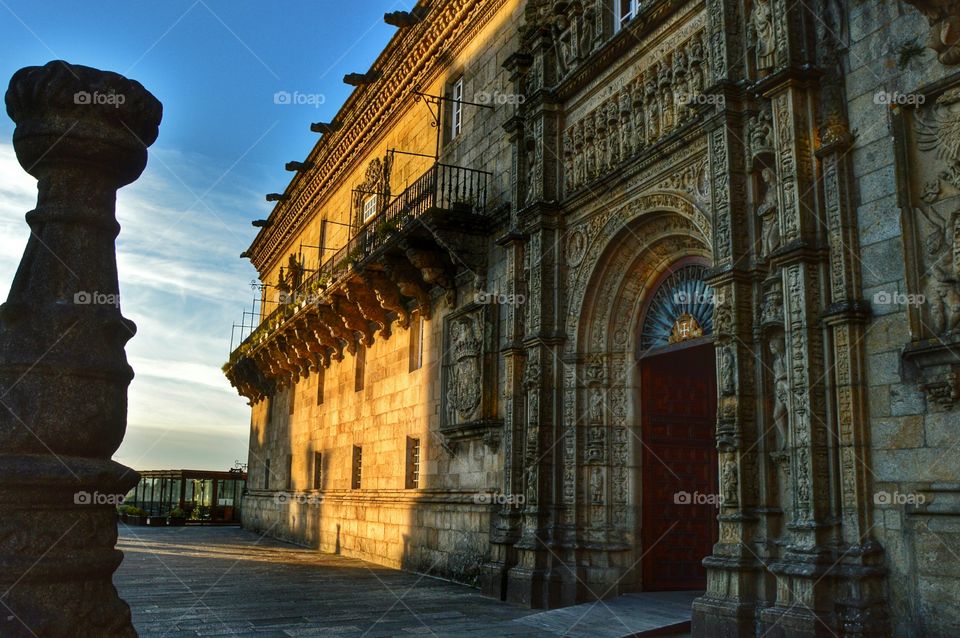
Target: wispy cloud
(183, 284)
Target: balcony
(410, 252)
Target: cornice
(413, 57)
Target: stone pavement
(224, 581)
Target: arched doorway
(678, 407)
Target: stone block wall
(914, 442)
(442, 526)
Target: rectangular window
(413, 463)
(416, 341)
(369, 207)
(292, 395)
(626, 11)
(266, 474)
(320, 379)
(456, 108)
(289, 471)
(357, 467)
(360, 369)
(318, 470)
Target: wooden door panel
(678, 413)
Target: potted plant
(177, 517)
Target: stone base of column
(57, 554)
(722, 617)
(797, 622)
(729, 606)
(493, 580)
(528, 587)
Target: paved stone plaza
(224, 581)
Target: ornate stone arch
(614, 261)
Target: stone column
(83, 134)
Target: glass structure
(204, 496)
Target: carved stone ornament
(760, 31)
(944, 18)
(463, 389)
(469, 377)
(931, 212)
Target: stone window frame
(317, 470)
(356, 473)
(456, 107)
(321, 383)
(360, 368)
(414, 460)
(416, 341)
(621, 17)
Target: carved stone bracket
(935, 366)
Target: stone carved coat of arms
(933, 148)
(464, 384)
(468, 377)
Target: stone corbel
(289, 370)
(388, 294)
(297, 350)
(329, 318)
(352, 318)
(318, 342)
(935, 367)
(366, 300)
(410, 284)
(433, 270)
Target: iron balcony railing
(442, 187)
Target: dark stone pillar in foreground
(83, 134)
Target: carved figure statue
(729, 482)
(762, 37)
(596, 406)
(531, 165)
(767, 212)
(781, 388)
(596, 486)
(728, 382)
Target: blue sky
(216, 65)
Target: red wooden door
(678, 413)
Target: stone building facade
(581, 297)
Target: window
(320, 380)
(456, 108)
(266, 474)
(357, 467)
(626, 11)
(369, 207)
(360, 369)
(318, 470)
(413, 463)
(416, 341)
(289, 471)
(292, 395)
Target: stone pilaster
(83, 134)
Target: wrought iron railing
(442, 187)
